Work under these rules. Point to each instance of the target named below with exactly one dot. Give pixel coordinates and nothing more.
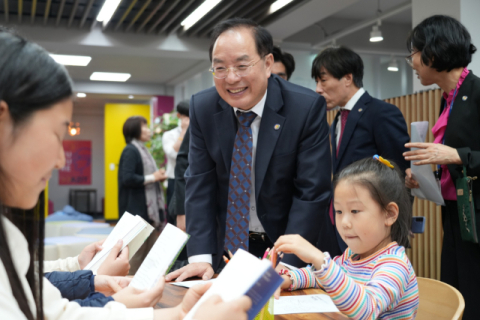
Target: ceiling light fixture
(68, 60)
(107, 11)
(277, 5)
(393, 65)
(199, 13)
(110, 76)
(81, 95)
(74, 129)
(376, 34)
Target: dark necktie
(344, 115)
(240, 183)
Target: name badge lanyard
(437, 173)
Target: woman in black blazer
(139, 190)
(440, 52)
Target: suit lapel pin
(464, 98)
(360, 110)
(277, 126)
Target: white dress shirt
(168, 140)
(349, 106)
(255, 224)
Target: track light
(107, 11)
(393, 65)
(277, 5)
(199, 13)
(376, 34)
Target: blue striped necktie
(240, 183)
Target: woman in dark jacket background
(440, 52)
(139, 190)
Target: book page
(162, 255)
(126, 229)
(314, 303)
(239, 275)
(429, 186)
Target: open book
(133, 230)
(160, 258)
(244, 275)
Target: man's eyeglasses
(409, 59)
(241, 70)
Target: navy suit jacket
(292, 167)
(373, 127)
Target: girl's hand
(191, 298)
(301, 248)
(431, 153)
(116, 263)
(88, 253)
(214, 308)
(287, 282)
(110, 285)
(134, 298)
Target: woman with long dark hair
(441, 50)
(35, 110)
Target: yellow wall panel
(115, 117)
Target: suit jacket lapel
(357, 112)
(226, 125)
(268, 135)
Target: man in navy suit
(288, 187)
(364, 126)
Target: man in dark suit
(364, 126)
(259, 155)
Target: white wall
(197, 83)
(469, 11)
(92, 128)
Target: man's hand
(300, 247)
(88, 253)
(110, 285)
(203, 270)
(134, 298)
(115, 264)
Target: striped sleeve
(383, 292)
(304, 278)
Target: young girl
(35, 110)
(373, 279)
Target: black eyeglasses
(409, 59)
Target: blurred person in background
(139, 184)
(171, 141)
(284, 64)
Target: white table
(64, 247)
(70, 229)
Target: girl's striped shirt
(381, 286)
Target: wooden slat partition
(426, 248)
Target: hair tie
(384, 161)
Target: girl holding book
(35, 111)
(373, 279)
